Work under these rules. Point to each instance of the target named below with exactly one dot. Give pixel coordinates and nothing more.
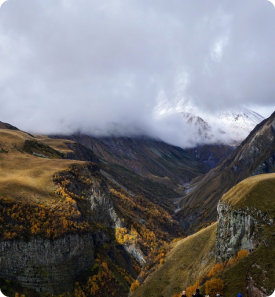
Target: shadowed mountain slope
(211, 155)
(254, 156)
(150, 160)
(7, 126)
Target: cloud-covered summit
(93, 65)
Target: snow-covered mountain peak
(227, 127)
(244, 119)
(202, 130)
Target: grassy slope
(57, 144)
(257, 191)
(23, 176)
(188, 259)
(156, 192)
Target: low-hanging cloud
(131, 66)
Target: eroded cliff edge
(239, 229)
(243, 214)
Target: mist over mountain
(112, 68)
(229, 127)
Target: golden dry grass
(27, 177)
(189, 258)
(11, 139)
(57, 144)
(256, 191)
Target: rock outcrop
(238, 229)
(46, 265)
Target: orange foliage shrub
(232, 261)
(214, 286)
(192, 289)
(242, 254)
(217, 268)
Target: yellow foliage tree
(134, 286)
(217, 268)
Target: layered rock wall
(46, 265)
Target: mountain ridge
(255, 155)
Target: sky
(132, 67)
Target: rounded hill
(254, 192)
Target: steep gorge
(245, 226)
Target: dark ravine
(211, 155)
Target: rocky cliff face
(46, 265)
(88, 183)
(238, 229)
(51, 265)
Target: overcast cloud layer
(93, 65)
